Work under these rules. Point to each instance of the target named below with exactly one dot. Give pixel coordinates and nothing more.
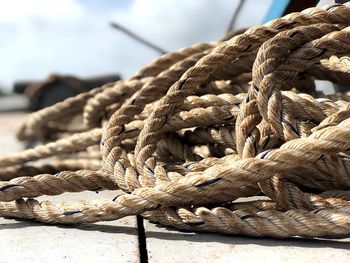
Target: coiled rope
(199, 128)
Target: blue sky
(73, 36)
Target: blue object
(276, 10)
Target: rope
(199, 128)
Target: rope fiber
(196, 130)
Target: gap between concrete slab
(142, 240)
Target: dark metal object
(138, 38)
(56, 88)
(341, 1)
(297, 6)
(283, 7)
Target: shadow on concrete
(112, 229)
(243, 240)
(172, 234)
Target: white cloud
(19, 11)
(74, 36)
(173, 24)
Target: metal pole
(138, 38)
(235, 15)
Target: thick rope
(199, 128)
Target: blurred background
(45, 40)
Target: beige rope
(196, 129)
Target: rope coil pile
(198, 128)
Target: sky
(38, 37)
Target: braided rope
(198, 128)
